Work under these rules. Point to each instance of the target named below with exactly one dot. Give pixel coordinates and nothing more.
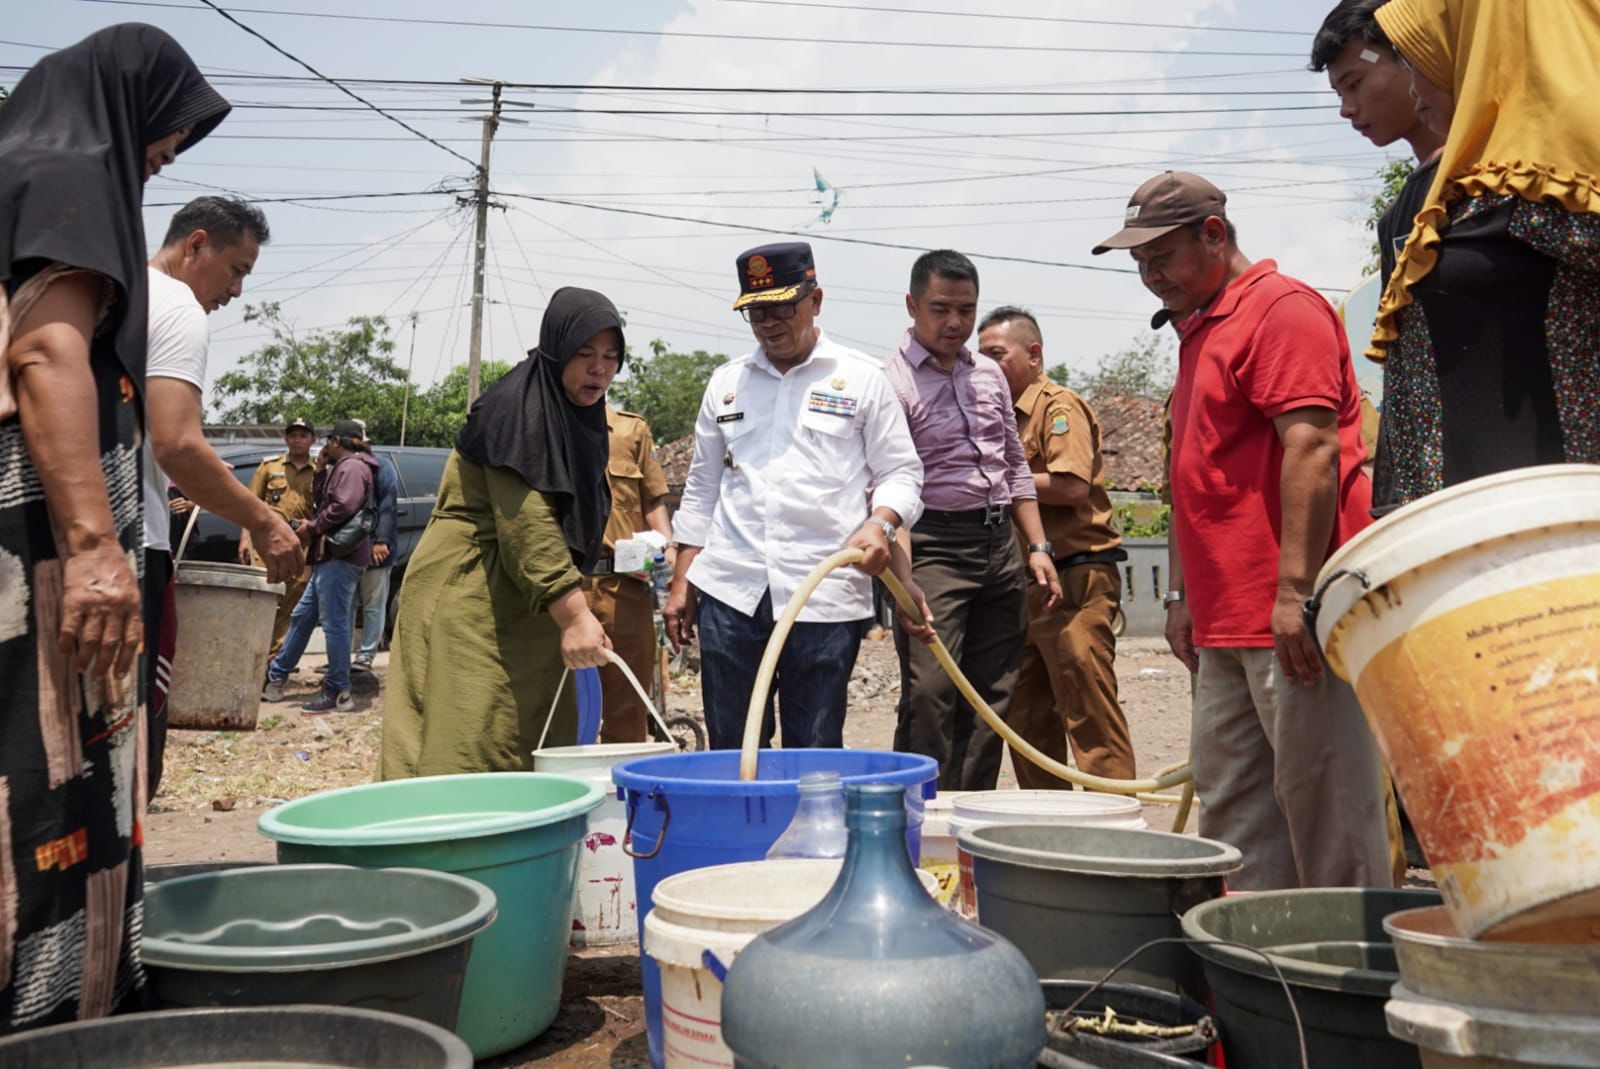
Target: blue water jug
(879, 974)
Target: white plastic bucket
(1469, 624)
(940, 856)
(980, 809)
(720, 910)
(225, 614)
(605, 909)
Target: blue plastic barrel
(690, 810)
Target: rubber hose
(1171, 776)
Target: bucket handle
(714, 966)
(627, 831)
(188, 529)
(1313, 604)
(1294, 1010)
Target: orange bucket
(1469, 624)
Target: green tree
(1144, 367)
(438, 412)
(665, 388)
(1392, 176)
(324, 376)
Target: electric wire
(343, 89)
(700, 35)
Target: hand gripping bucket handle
(1313, 605)
(660, 799)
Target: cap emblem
(759, 271)
(1132, 213)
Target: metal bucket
(225, 614)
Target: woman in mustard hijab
(1490, 326)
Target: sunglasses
(760, 313)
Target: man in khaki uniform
(284, 483)
(1069, 678)
(623, 604)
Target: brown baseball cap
(1163, 204)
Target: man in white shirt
(210, 247)
(800, 449)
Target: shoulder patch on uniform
(1058, 422)
(273, 459)
(630, 415)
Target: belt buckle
(994, 515)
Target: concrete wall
(1144, 580)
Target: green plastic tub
(396, 940)
(1339, 963)
(519, 833)
(279, 1037)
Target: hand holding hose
(874, 546)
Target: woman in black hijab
(79, 136)
(493, 609)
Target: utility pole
(405, 403)
(480, 201)
(475, 355)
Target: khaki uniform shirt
(634, 474)
(1060, 436)
(285, 487)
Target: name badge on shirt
(831, 404)
(730, 417)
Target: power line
(221, 76)
(1013, 18)
(321, 197)
(755, 114)
(704, 35)
(794, 138)
(751, 228)
(818, 235)
(346, 91)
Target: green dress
(476, 655)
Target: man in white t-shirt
(210, 247)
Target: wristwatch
(889, 531)
(1172, 597)
(1042, 547)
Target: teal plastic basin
(518, 833)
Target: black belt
(1101, 556)
(992, 516)
(603, 566)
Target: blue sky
(1298, 179)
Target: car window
(419, 472)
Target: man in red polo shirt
(1266, 484)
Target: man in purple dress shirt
(976, 484)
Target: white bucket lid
(977, 809)
(595, 758)
(1459, 518)
(746, 896)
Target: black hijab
(72, 147)
(525, 422)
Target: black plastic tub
(1077, 900)
(395, 940)
(1334, 954)
(1130, 1002)
(284, 1037)
(177, 870)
